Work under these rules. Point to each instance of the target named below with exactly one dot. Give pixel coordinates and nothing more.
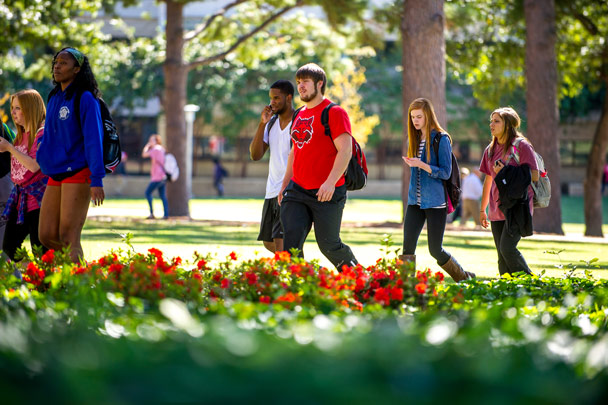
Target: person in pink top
(504, 123)
(156, 152)
(22, 210)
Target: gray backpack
(542, 187)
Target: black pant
(435, 227)
(510, 259)
(15, 234)
(300, 209)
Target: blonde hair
(413, 134)
(34, 113)
(512, 122)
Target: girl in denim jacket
(426, 195)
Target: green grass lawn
(223, 226)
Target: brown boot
(408, 259)
(455, 270)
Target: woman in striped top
(426, 195)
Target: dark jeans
(435, 226)
(510, 260)
(160, 185)
(300, 209)
(16, 233)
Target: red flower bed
(279, 280)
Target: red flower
(252, 278)
(232, 255)
(420, 288)
(48, 257)
(197, 275)
(439, 276)
(397, 294)
(155, 252)
(225, 283)
(217, 276)
(202, 264)
(383, 295)
(177, 261)
(265, 299)
(282, 256)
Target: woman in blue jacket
(426, 195)
(70, 153)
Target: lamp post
(190, 110)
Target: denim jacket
(432, 193)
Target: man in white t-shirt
(472, 188)
(273, 133)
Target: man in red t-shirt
(313, 189)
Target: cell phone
(498, 160)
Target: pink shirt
(157, 170)
(526, 156)
(20, 174)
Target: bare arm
(288, 175)
(344, 146)
(258, 147)
(146, 152)
(29, 163)
(485, 200)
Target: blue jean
(160, 185)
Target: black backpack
(5, 157)
(451, 185)
(355, 176)
(112, 152)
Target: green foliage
(80, 339)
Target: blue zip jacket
(69, 145)
(432, 193)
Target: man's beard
(309, 98)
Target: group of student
(56, 159)
(305, 183)
(57, 168)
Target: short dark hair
(284, 86)
(314, 72)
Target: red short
(81, 177)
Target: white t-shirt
(279, 144)
(472, 188)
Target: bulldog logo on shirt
(301, 131)
(64, 112)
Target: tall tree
(541, 101)
(584, 24)
(422, 33)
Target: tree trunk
(593, 180)
(422, 33)
(541, 100)
(176, 75)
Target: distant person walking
(426, 195)
(219, 172)
(472, 189)
(71, 153)
(313, 189)
(23, 209)
(273, 134)
(498, 161)
(156, 152)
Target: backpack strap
(325, 118)
(514, 151)
(273, 119)
(436, 141)
(293, 117)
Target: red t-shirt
(526, 156)
(315, 152)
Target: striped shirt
(419, 172)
